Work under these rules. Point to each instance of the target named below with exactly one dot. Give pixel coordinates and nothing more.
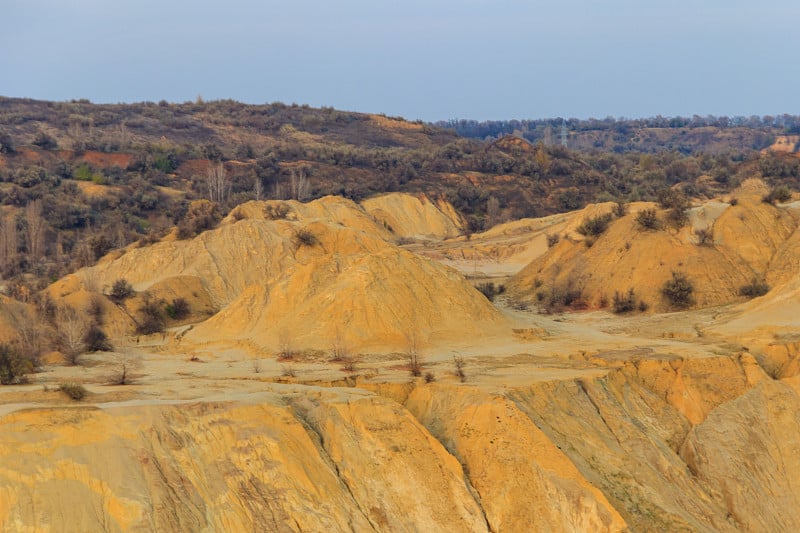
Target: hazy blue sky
(428, 59)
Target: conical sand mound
(322, 274)
(746, 241)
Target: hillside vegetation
(79, 179)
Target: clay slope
(413, 216)
(347, 285)
(750, 240)
(311, 462)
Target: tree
(72, 328)
(8, 241)
(13, 364)
(125, 363)
(299, 185)
(218, 183)
(34, 230)
(492, 211)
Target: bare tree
(125, 363)
(286, 348)
(412, 353)
(72, 327)
(299, 185)
(258, 188)
(217, 180)
(8, 241)
(492, 212)
(34, 232)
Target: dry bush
(178, 309)
(459, 364)
(647, 219)
(14, 364)
(305, 237)
(75, 391)
(757, 287)
(151, 320)
(121, 290)
(678, 291)
(595, 226)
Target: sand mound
(345, 284)
(415, 216)
(749, 240)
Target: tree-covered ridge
(684, 134)
(79, 179)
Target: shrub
(305, 237)
(45, 141)
(459, 364)
(178, 309)
(96, 340)
(430, 377)
(277, 211)
(490, 290)
(705, 237)
(677, 217)
(120, 291)
(672, 199)
(754, 289)
(552, 239)
(648, 219)
(595, 226)
(202, 215)
(678, 291)
(620, 209)
(624, 303)
(14, 365)
(75, 391)
(150, 318)
(781, 194)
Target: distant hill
(97, 177)
(686, 135)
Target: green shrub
(678, 291)
(75, 391)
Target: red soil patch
(104, 160)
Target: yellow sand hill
(415, 216)
(322, 273)
(749, 240)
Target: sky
(420, 59)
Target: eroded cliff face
(667, 444)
